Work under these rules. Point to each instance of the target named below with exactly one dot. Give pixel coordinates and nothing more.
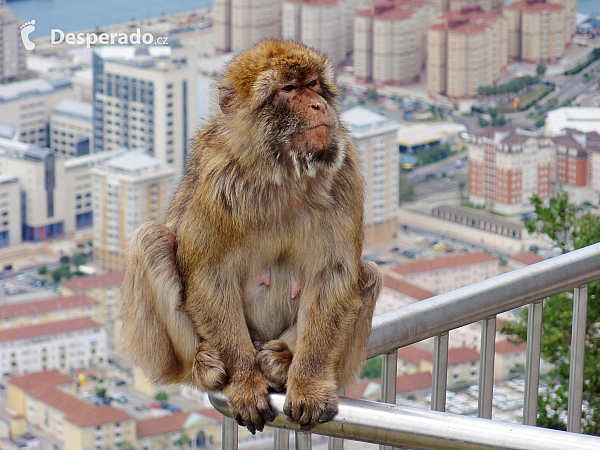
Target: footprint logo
(26, 30)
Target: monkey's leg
(352, 352)
(156, 334)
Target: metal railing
(390, 425)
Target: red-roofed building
(416, 385)
(522, 260)
(507, 356)
(448, 273)
(390, 41)
(466, 49)
(540, 30)
(494, 6)
(199, 427)
(398, 292)
(102, 288)
(65, 345)
(51, 310)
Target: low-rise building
(521, 260)
(507, 357)
(52, 310)
(448, 273)
(65, 345)
(10, 210)
(102, 288)
(397, 292)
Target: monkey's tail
(156, 334)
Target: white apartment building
(239, 24)
(64, 345)
(79, 209)
(448, 273)
(10, 210)
(12, 50)
(42, 187)
(375, 137)
(128, 190)
(25, 107)
(321, 24)
(146, 96)
(71, 128)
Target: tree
(567, 229)
(161, 396)
(65, 259)
(43, 270)
(372, 368)
(540, 69)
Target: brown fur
(266, 191)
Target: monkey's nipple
(294, 288)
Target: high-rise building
(239, 24)
(12, 50)
(26, 106)
(71, 128)
(375, 137)
(465, 50)
(507, 166)
(129, 190)
(321, 24)
(10, 210)
(538, 30)
(145, 96)
(494, 6)
(390, 41)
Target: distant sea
(73, 15)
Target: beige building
(26, 106)
(448, 273)
(146, 96)
(102, 288)
(71, 128)
(239, 24)
(375, 138)
(506, 167)
(390, 42)
(465, 50)
(10, 210)
(52, 310)
(506, 357)
(320, 24)
(128, 190)
(66, 345)
(47, 401)
(12, 50)
(539, 30)
(495, 6)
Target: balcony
(390, 425)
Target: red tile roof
(462, 355)
(395, 283)
(44, 306)
(93, 281)
(531, 7)
(505, 347)
(47, 329)
(92, 416)
(414, 355)
(527, 258)
(319, 2)
(160, 425)
(413, 382)
(443, 263)
(49, 377)
(211, 413)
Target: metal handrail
(388, 424)
(454, 309)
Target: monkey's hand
(309, 402)
(249, 400)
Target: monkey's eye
(312, 83)
(288, 88)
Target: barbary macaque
(255, 280)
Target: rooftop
(527, 258)
(29, 88)
(447, 262)
(505, 347)
(47, 329)
(49, 377)
(94, 281)
(579, 118)
(535, 6)
(395, 283)
(75, 109)
(10, 311)
(362, 121)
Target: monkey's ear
(226, 97)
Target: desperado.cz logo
(58, 37)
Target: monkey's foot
(310, 406)
(209, 371)
(249, 402)
(274, 358)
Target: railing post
(532, 364)
(303, 440)
(389, 375)
(281, 439)
(229, 434)
(580, 299)
(486, 368)
(440, 372)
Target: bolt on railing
(435, 317)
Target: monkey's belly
(271, 303)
